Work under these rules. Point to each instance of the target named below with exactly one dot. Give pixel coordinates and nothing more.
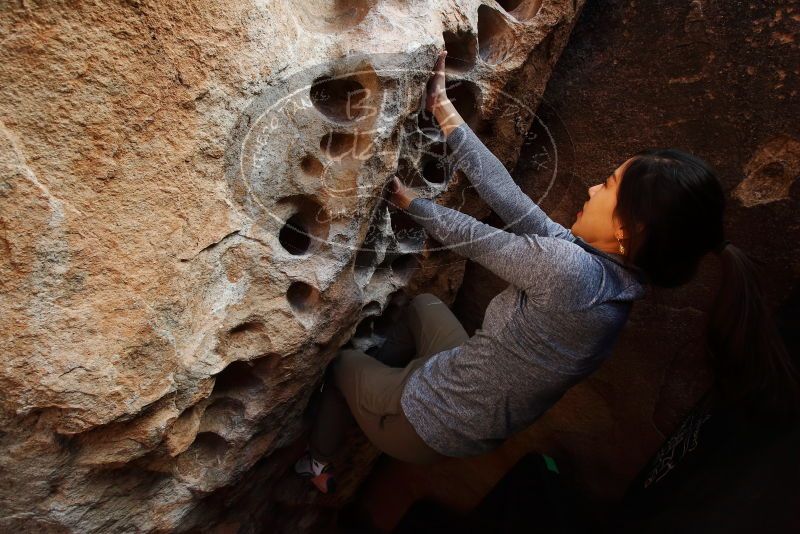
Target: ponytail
(753, 369)
(672, 206)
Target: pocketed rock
(178, 267)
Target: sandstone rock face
(192, 222)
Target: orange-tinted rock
(177, 269)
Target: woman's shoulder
(586, 276)
(614, 262)
(624, 283)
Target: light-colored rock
(771, 172)
(163, 331)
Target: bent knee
(427, 307)
(350, 354)
(347, 359)
(348, 364)
(425, 299)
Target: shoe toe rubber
(325, 482)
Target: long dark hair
(670, 205)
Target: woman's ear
(620, 233)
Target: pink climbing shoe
(318, 472)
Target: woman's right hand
(400, 195)
(436, 93)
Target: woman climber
(570, 292)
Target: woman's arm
(496, 187)
(436, 100)
(542, 265)
(489, 176)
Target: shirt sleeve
(496, 187)
(544, 266)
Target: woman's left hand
(436, 91)
(401, 196)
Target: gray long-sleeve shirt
(552, 326)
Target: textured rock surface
(181, 257)
(717, 79)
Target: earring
(621, 248)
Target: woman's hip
(373, 392)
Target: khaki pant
(370, 390)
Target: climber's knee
(425, 298)
(347, 367)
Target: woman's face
(595, 223)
